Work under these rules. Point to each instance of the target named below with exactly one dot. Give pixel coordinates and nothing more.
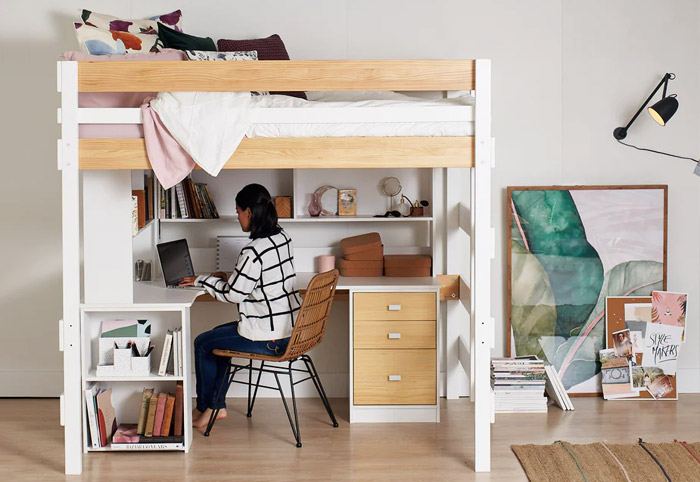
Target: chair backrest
(313, 315)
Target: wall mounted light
(661, 112)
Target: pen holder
(126, 364)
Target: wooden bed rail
(276, 75)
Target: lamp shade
(664, 109)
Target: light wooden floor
(261, 448)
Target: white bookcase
(127, 390)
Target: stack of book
(160, 424)
(518, 385)
(186, 200)
(171, 359)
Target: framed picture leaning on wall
(570, 247)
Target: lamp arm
(621, 132)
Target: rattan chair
(307, 333)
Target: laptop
(176, 263)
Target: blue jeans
(210, 369)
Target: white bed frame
(473, 215)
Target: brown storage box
(407, 272)
(407, 265)
(355, 272)
(373, 254)
(360, 264)
(363, 242)
(283, 205)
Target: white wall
(564, 75)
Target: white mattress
(328, 100)
(331, 100)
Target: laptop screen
(175, 260)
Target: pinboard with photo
(647, 332)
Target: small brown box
(360, 264)
(283, 205)
(363, 242)
(369, 255)
(360, 272)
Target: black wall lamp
(661, 112)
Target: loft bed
(79, 157)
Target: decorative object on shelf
(315, 205)
(347, 202)
(569, 248)
(363, 256)
(142, 270)
(661, 112)
(327, 200)
(403, 265)
(391, 187)
(326, 262)
(419, 208)
(283, 205)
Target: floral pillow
(100, 34)
(238, 55)
(147, 25)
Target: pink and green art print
(569, 248)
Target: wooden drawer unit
(395, 377)
(394, 334)
(394, 306)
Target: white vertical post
(481, 267)
(452, 323)
(70, 185)
(187, 377)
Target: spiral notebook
(227, 250)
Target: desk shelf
(92, 377)
(363, 218)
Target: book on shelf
(185, 200)
(148, 190)
(165, 355)
(107, 421)
(168, 415)
(178, 410)
(151, 417)
(91, 407)
(160, 411)
(143, 413)
(127, 438)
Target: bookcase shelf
(92, 377)
(363, 218)
(175, 447)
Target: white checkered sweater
(263, 286)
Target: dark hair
(263, 215)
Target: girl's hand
(220, 274)
(187, 281)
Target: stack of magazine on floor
(518, 385)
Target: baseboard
(31, 384)
(688, 380)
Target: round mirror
(328, 197)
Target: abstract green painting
(569, 248)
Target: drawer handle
(394, 336)
(394, 378)
(394, 307)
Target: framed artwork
(569, 248)
(347, 202)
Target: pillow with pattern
(98, 41)
(239, 55)
(146, 25)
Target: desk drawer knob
(394, 378)
(394, 336)
(394, 307)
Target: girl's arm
(242, 282)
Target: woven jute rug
(562, 461)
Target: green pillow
(173, 39)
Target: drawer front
(394, 377)
(394, 306)
(394, 334)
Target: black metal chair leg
(286, 409)
(250, 384)
(257, 385)
(219, 397)
(294, 404)
(319, 387)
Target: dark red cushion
(270, 48)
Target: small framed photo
(347, 202)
